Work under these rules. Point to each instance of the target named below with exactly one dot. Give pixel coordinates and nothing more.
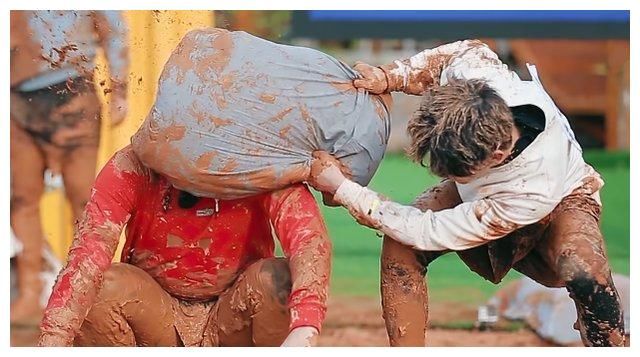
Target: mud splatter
(416, 79)
(268, 98)
(344, 86)
(204, 161)
(278, 117)
(218, 122)
(230, 165)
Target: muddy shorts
(534, 249)
(59, 118)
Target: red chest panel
(196, 252)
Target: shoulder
(126, 161)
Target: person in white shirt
(516, 192)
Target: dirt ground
(358, 322)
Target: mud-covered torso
(195, 253)
(52, 40)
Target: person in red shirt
(194, 271)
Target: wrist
(394, 82)
(337, 183)
(307, 315)
(345, 191)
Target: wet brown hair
(458, 126)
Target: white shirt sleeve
(468, 59)
(468, 225)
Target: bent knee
(401, 260)
(582, 265)
(272, 276)
(120, 279)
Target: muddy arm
(92, 250)
(462, 59)
(303, 235)
(464, 226)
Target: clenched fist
(373, 78)
(326, 174)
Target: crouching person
(516, 191)
(193, 271)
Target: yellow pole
(152, 37)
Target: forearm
(78, 283)
(455, 229)
(310, 269)
(416, 74)
(303, 235)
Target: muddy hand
(49, 340)
(304, 336)
(373, 78)
(325, 175)
(118, 109)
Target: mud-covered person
(55, 121)
(193, 271)
(516, 192)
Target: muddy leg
(403, 289)
(131, 310)
(78, 173)
(575, 245)
(79, 144)
(254, 312)
(27, 186)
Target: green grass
(356, 251)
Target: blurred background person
(55, 121)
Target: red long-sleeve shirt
(193, 253)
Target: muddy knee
(104, 314)
(272, 277)
(257, 313)
(130, 309)
(120, 281)
(400, 260)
